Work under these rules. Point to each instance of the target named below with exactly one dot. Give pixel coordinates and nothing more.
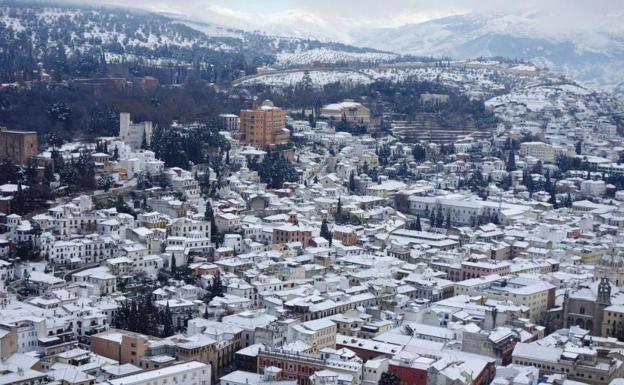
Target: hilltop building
(19, 146)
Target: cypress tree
(418, 225)
(167, 322)
(174, 268)
(324, 230)
(439, 218)
(352, 182)
(511, 161)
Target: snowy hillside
(481, 80)
(328, 56)
(594, 57)
(319, 78)
(81, 41)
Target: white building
(134, 133)
(593, 188)
(539, 150)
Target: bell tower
(603, 299)
(604, 292)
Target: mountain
(83, 41)
(592, 56)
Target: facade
(498, 343)
(19, 146)
(264, 126)
(539, 150)
(133, 134)
(291, 233)
(300, 366)
(352, 112)
(585, 307)
(613, 322)
(579, 364)
(229, 122)
(319, 334)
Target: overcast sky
(336, 18)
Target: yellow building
(318, 334)
(590, 255)
(613, 321)
(264, 126)
(352, 112)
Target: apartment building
(536, 295)
(319, 334)
(613, 322)
(539, 150)
(292, 233)
(583, 364)
(264, 126)
(475, 269)
(300, 366)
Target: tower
(603, 299)
(604, 292)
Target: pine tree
(419, 152)
(432, 219)
(339, 207)
(448, 220)
(418, 225)
(389, 378)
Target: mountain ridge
(588, 57)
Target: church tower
(603, 299)
(604, 292)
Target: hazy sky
(336, 18)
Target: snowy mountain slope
(595, 57)
(80, 40)
(319, 78)
(328, 56)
